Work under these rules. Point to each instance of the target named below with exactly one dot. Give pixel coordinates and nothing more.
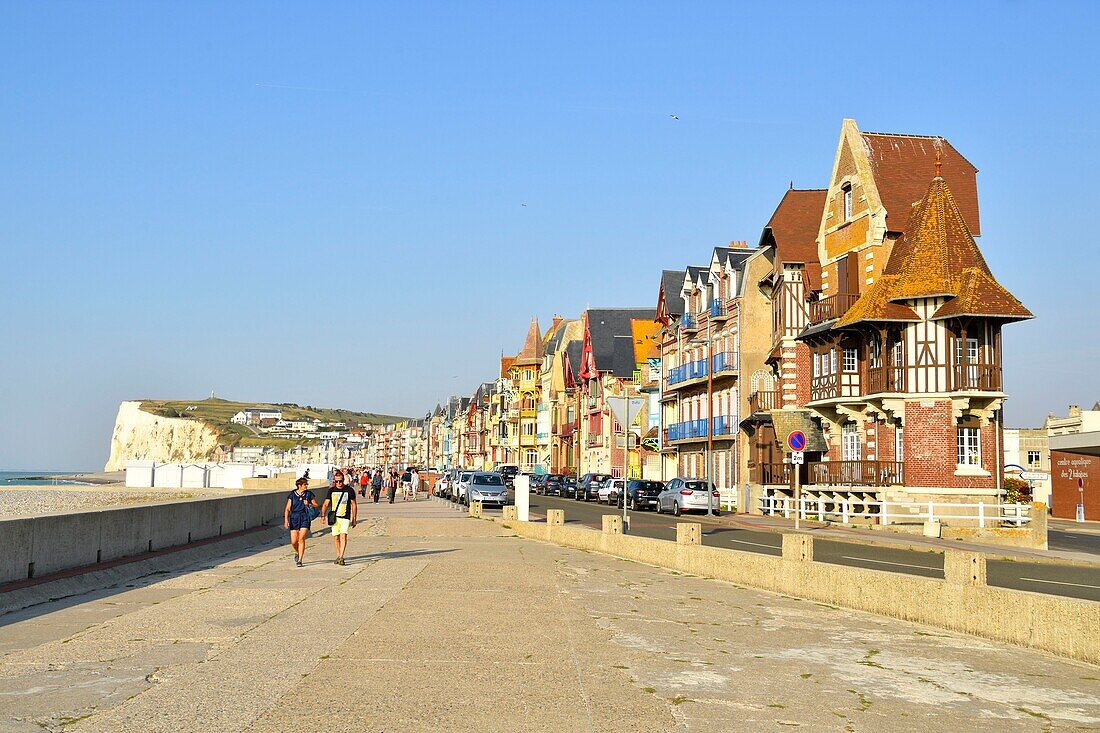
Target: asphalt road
(1053, 579)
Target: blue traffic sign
(796, 441)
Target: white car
(461, 485)
(687, 494)
(610, 491)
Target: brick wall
(931, 448)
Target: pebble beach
(28, 501)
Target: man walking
(376, 484)
(364, 481)
(406, 484)
(391, 485)
(340, 511)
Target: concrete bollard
(1038, 525)
(964, 568)
(555, 517)
(612, 524)
(689, 533)
(475, 509)
(511, 514)
(798, 547)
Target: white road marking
(1060, 582)
(887, 562)
(757, 544)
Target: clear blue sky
(321, 203)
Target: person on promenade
(376, 484)
(340, 511)
(391, 485)
(297, 517)
(415, 483)
(364, 480)
(406, 484)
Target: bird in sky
(675, 117)
(524, 205)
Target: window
(850, 448)
(850, 360)
(832, 361)
(847, 202)
(970, 450)
(528, 428)
(898, 357)
(876, 353)
(971, 356)
(1033, 458)
(531, 458)
(899, 444)
(817, 365)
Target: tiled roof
(904, 164)
(644, 332)
(793, 227)
(604, 324)
(531, 353)
(672, 285)
(935, 257)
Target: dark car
(641, 494)
(508, 472)
(569, 487)
(537, 481)
(588, 488)
(554, 485)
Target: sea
(41, 478)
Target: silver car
(488, 488)
(687, 494)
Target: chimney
(557, 321)
(739, 244)
(1074, 411)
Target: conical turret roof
(531, 353)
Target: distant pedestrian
(364, 481)
(340, 512)
(391, 485)
(376, 484)
(415, 483)
(406, 484)
(298, 515)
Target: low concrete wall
(1063, 626)
(283, 481)
(39, 546)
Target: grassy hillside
(218, 412)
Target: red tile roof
(903, 166)
(794, 225)
(936, 256)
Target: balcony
(595, 441)
(885, 379)
(723, 425)
(836, 473)
(592, 403)
(724, 362)
(687, 372)
(687, 322)
(976, 377)
(718, 309)
(832, 307)
(825, 387)
(689, 430)
(567, 429)
(763, 401)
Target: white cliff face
(142, 436)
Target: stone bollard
(555, 517)
(964, 568)
(798, 547)
(475, 509)
(511, 514)
(612, 524)
(689, 533)
(1038, 525)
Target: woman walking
(391, 485)
(297, 517)
(376, 484)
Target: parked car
(569, 487)
(687, 494)
(641, 494)
(610, 491)
(537, 481)
(488, 488)
(589, 486)
(554, 485)
(508, 472)
(461, 484)
(443, 487)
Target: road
(1053, 579)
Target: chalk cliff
(143, 436)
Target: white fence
(857, 510)
(146, 474)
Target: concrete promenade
(444, 623)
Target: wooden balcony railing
(832, 307)
(836, 473)
(985, 377)
(762, 401)
(885, 379)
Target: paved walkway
(444, 623)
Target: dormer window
(847, 191)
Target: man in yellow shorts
(340, 511)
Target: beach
(28, 501)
